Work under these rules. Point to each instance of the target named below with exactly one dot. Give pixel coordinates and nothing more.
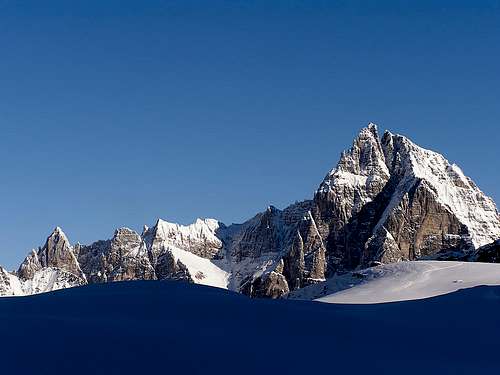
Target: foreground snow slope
(402, 281)
(152, 327)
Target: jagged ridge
(387, 200)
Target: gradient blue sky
(114, 113)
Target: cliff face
(387, 200)
(487, 254)
(124, 257)
(57, 253)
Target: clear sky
(115, 113)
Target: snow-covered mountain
(387, 200)
(390, 200)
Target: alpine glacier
(386, 201)
(401, 281)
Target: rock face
(56, 253)
(487, 254)
(434, 206)
(164, 239)
(349, 199)
(124, 257)
(387, 200)
(30, 266)
(199, 238)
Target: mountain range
(386, 201)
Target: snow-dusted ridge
(451, 188)
(200, 230)
(44, 280)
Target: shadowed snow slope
(402, 281)
(153, 327)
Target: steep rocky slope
(488, 253)
(387, 200)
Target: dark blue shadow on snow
(173, 327)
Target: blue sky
(114, 113)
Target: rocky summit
(387, 200)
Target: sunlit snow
(402, 281)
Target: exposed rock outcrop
(56, 253)
(124, 257)
(488, 253)
(29, 266)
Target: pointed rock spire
(58, 252)
(363, 165)
(29, 266)
(358, 178)
(365, 157)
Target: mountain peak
(58, 252)
(372, 128)
(58, 234)
(364, 159)
(30, 265)
(364, 170)
(199, 237)
(124, 231)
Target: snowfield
(202, 270)
(167, 327)
(401, 281)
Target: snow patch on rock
(50, 279)
(203, 271)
